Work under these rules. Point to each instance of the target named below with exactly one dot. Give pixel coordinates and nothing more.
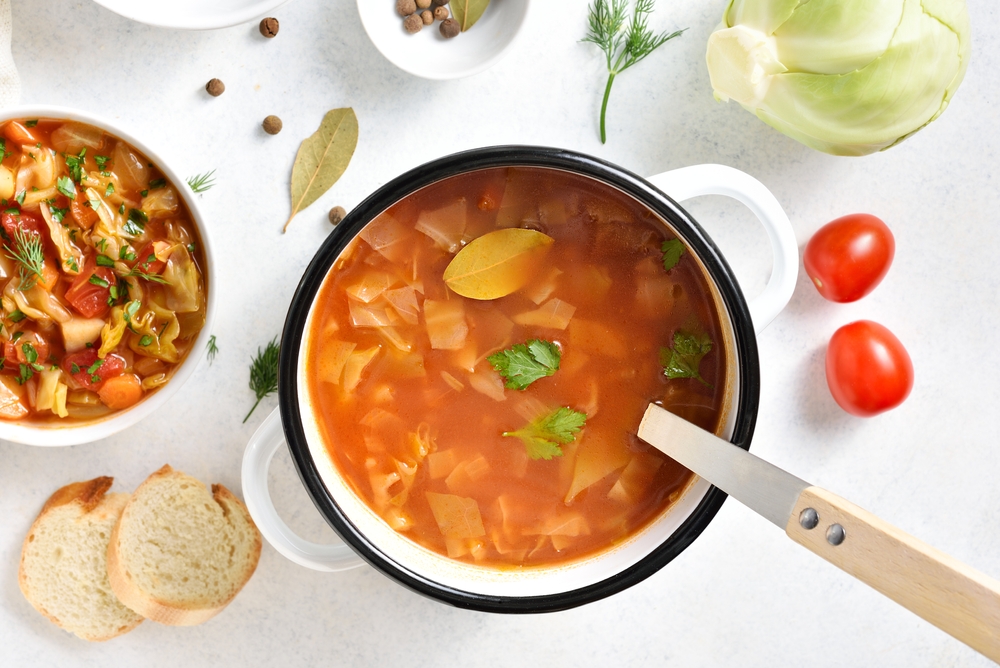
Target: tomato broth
(416, 415)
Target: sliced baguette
(179, 554)
(63, 569)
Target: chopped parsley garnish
(121, 208)
(72, 265)
(20, 196)
(65, 185)
(104, 261)
(101, 161)
(264, 373)
(130, 310)
(143, 192)
(32, 123)
(191, 247)
(75, 164)
(16, 316)
(16, 336)
(145, 340)
(25, 374)
(202, 182)
(125, 254)
(672, 251)
(74, 368)
(684, 357)
(157, 183)
(14, 211)
(136, 222)
(98, 281)
(57, 213)
(213, 349)
(92, 369)
(3, 149)
(110, 190)
(543, 436)
(30, 353)
(525, 363)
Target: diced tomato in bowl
(90, 289)
(89, 370)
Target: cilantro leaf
(684, 358)
(543, 436)
(525, 363)
(672, 251)
(65, 185)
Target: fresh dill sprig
(153, 278)
(623, 46)
(264, 373)
(213, 350)
(202, 182)
(27, 252)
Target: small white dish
(429, 55)
(191, 14)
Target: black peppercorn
(215, 87)
(272, 125)
(337, 214)
(269, 27)
(450, 28)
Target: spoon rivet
(808, 518)
(835, 534)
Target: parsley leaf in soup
(672, 251)
(525, 363)
(543, 436)
(684, 357)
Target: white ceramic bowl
(73, 433)
(429, 55)
(191, 14)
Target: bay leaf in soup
(467, 12)
(322, 158)
(498, 263)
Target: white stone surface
(742, 594)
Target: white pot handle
(687, 182)
(256, 460)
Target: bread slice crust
(180, 554)
(66, 581)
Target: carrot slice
(120, 392)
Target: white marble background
(743, 594)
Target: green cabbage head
(848, 77)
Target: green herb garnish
(16, 316)
(213, 350)
(684, 357)
(110, 190)
(74, 368)
(98, 281)
(264, 373)
(20, 196)
(101, 161)
(136, 222)
(16, 336)
(146, 276)
(623, 46)
(672, 251)
(27, 252)
(155, 184)
(30, 353)
(75, 164)
(201, 183)
(543, 436)
(32, 123)
(104, 261)
(57, 214)
(65, 185)
(524, 363)
(25, 374)
(145, 340)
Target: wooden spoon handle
(954, 597)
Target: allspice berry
(450, 28)
(337, 214)
(215, 87)
(413, 23)
(405, 7)
(269, 27)
(427, 16)
(441, 12)
(423, 4)
(272, 125)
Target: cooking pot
(366, 538)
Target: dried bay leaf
(498, 263)
(322, 158)
(467, 12)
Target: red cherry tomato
(868, 369)
(848, 257)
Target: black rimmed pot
(315, 474)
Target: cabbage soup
(481, 354)
(103, 292)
